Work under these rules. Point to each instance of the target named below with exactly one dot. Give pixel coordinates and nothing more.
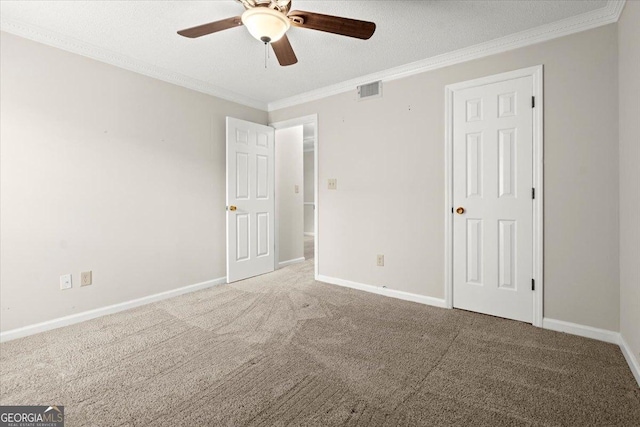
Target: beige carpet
(282, 349)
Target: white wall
(629, 69)
(309, 191)
(106, 170)
(289, 204)
(388, 157)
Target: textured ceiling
(407, 31)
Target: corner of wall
(629, 177)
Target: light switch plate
(333, 184)
(65, 281)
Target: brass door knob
(232, 208)
(460, 210)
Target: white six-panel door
(492, 184)
(250, 199)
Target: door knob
(460, 210)
(232, 208)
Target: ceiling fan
(269, 20)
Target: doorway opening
(296, 195)
(308, 171)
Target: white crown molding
(79, 47)
(103, 311)
(595, 18)
(606, 15)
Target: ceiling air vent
(370, 90)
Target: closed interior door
(250, 199)
(492, 196)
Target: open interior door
(250, 199)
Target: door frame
(298, 121)
(538, 169)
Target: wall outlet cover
(380, 260)
(332, 184)
(85, 278)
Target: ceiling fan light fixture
(265, 24)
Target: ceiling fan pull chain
(266, 53)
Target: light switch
(65, 281)
(333, 184)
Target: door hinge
(533, 284)
(533, 102)
(533, 193)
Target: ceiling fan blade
(211, 27)
(284, 52)
(333, 24)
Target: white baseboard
(309, 233)
(581, 330)
(103, 311)
(291, 261)
(551, 324)
(632, 360)
(422, 299)
(597, 334)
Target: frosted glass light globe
(265, 24)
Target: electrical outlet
(85, 278)
(333, 184)
(65, 281)
(380, 260)
(296, 189)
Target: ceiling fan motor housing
(281, 5)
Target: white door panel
(250, 199)
(492, 182)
